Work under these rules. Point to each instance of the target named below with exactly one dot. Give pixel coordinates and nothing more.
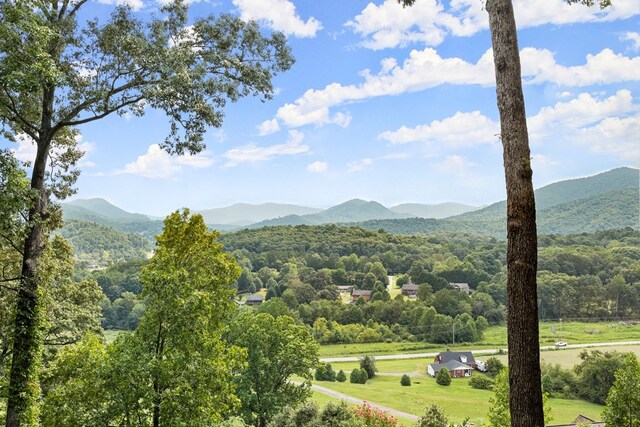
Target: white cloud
(634, 38)
(280, 15)
(455, 164)
(539, 66)
(540, 161)
(253, 153)
(26, 150)
(579, 112)
(428, 22)
(614, 135)
(317, 167)
(424, 69)
(157, 163)
(358, 165)
(268, 127)
(460, 130)
(135, 4)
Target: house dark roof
(255, 298)
(581, 419)
(360, 292)
(410, 287)
(461, 287)
(451, 365)
(458, 356)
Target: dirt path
(351, 399)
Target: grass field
(459, 400)
(496, 337)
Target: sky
(389, 104)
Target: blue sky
(388, 104)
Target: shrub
(341, 377)
(481, 382)
(368, 363)
(324, 372)
(494, 366)
(405, 380)
(371, 417)
(358, 376)
(443, 377)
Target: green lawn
(459, 400)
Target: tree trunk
(24, 387)
(525, 396)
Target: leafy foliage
(405, 380)
(481, 382)
(358, 376)
(434, 416)
(368, 364)
(597, 373)
(623, 401)
(443, 377)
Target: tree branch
(18, 117)
(98, 116)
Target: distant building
(357, 293)
(465, 357)
(456, 369)
(254, 299)
(346, 289)
(581, 420)
(410, 289)
(463, 287)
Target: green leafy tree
(358, 376)
(341, 376)
(499, 414)
(623, 402)
(494, 366)
(277, 349)
(597, 373)
(368, 364)
(187, 285)
(443, 377)
(434, 416)
(58, 74)
(481, 382)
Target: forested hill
(606, 201)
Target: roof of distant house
(255, 298)
(361, 292)
(459, 356)
(451, 365)
(461, 286)
(410, 287)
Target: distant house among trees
(346, 289)
(410, 289)
(456, 369)
(462, 287)
(357, 293)
(254, 299)
(465, 357)
(581, 420)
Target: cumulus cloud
(634, 38)
(26, 150)
(460, 130)
(156, 163)
(135, 4)
(317, 167)
(609, 125)
(428, 22)
(254, 153)
(268, 127)
(424, 69)
(280, 15)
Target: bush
(358, 376)
(481, 382)
(494, 366)
(405, 380)
(368, 363)
(341, 377)
(324, 372)
(443, 377)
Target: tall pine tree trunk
(525, 397)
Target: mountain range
(607, 200)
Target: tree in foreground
(499, 414)
(277, 349)
(175, 369)
(57, 74)
(623, 402)
(526, 404)
(434, 416)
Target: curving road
(475, 352)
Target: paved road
(357, 401)
(475, 352)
